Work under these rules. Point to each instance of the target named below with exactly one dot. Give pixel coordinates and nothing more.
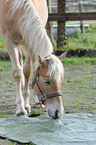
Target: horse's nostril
(56, 114)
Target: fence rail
(71, 16)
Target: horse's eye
(47, 82)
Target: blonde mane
(33, 30)
(55, 69)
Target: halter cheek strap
(43, 95)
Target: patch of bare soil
(78, 88)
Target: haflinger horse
(22, 24)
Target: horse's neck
(34, 33)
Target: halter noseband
(43, 95)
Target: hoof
(28, 109)
(21, 114)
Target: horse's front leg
(17, 72)
(27, 74)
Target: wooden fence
(61, 17)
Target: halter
(43, 95)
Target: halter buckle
(43, 98)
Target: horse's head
(46, 83)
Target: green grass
(80, 61)
(34, 111)
(78, 41)
(5, 64)
(4, 116)
(2, 45)
(66, 61)
(79, 84)
(12, 142)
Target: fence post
(61, 34)
(81, 22)
(49, 25)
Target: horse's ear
(41, 59)
(62, 56)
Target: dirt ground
(78, 88)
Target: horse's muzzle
(57, 115)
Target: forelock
(55, 68)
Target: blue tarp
(70, 129)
